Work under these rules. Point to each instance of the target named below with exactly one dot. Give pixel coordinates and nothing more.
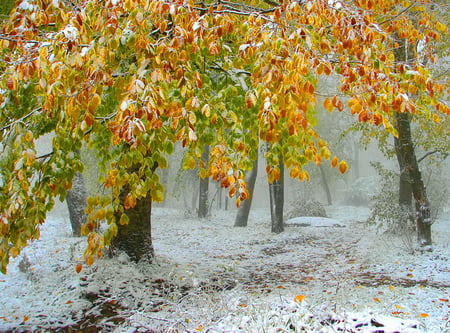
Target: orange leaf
(78, 268)
(343, 166)
(424, 315)
(299, 298)
(443, 299)
(376, 299)
(334, 161)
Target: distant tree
(76, 203)
(203, 197)
(131, 78)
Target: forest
(224, 166)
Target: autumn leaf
(424, 315)
(299, 298)
(78, 268)
(343, 167)
(376, 299)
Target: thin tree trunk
(325, 185)
(244, 210)
(204, 187)
(276, 192)
(409, 167)
(76, 203)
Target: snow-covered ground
(318, 276)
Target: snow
(210, 276)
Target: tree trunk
(76, 203)
(276, 192)
(204, 187)
(409, 167)
(244, 210)
(325, 185)
(411, 179)
(135, 238)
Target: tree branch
(11, 124)
(426, 155)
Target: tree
(131, 78)
(76, 203)
(244, 210)
(203, 202)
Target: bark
(204, 188)
(76, 203)
(411, 180)
(276, 192)
(135, 238)
(410, 175)
(325, 185)
(244, 210)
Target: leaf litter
(212, 277)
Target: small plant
(386, 213)
(309, 207)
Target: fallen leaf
(78, 268)
(376, 299)
(398, 307)
(299, 298)
(443, 299)
(424, 315)
(69, 302)
(391, 288)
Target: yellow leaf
(94, 103)
(391, 288)
(398, 307)
(441, 27)
(299, 298)
(328, 104)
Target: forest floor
(319, 275)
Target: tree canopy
(131, 78)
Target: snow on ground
(210, 276)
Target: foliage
(386, 212)
(130, 78)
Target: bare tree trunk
(325, 185)
(411, 179)
(244, 210)
(204, 187)
(76, 203)
(409, 167)
(276, 192)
